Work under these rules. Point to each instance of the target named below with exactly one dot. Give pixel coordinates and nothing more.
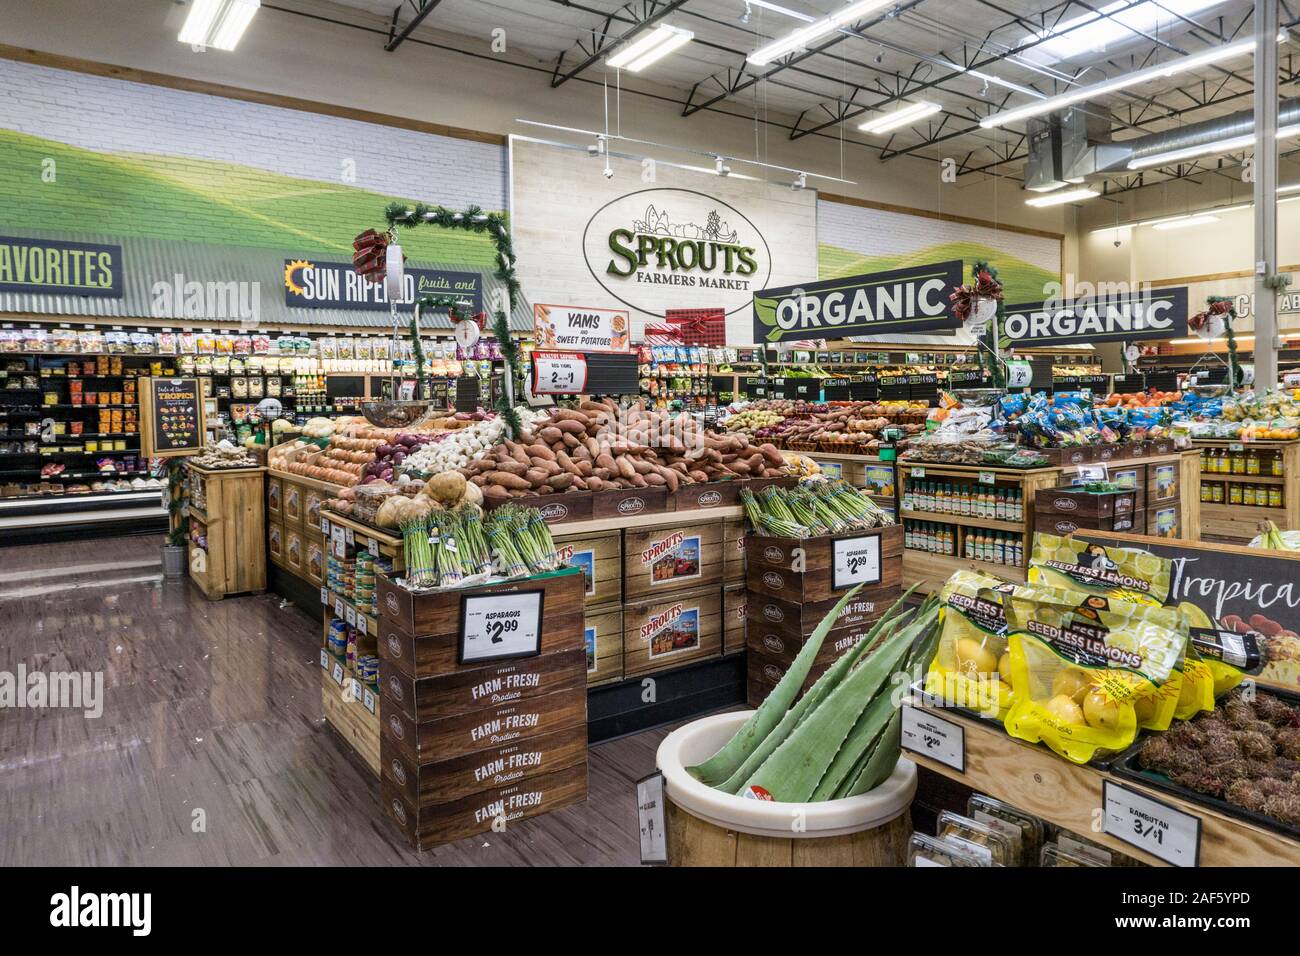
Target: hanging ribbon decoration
(1219, 305)
(966, 300)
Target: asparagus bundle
(451, 548)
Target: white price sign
(325, 595)
(581, 329)
(650, 819)
(338, 542)
(928, 734)
(1150, 825)
(350, 616)
(495, 626)
(988, 478)
(856, 561)
(324, 659)
(559, 373)
(368, 699)
(337, 673)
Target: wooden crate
(671, 629)
(733, 548)
(668, 558)
(557, 509)
(1134, 477)
(429, 741)
(494, 808)
(767, 615)
(234, 518)
(704, 496)
(314, 559)
(349, 715)
(603, 631)
(424, 785)
(295, 545)
(293, 503)
(1082, 505)
(1132, 521)
(600, 556)
(313, 500)
(733, 618)
(1162, 482)
(474, 688)
(812, 570)
(436, 614)
(275, 543)
(628, 502)
(274, 495)
(1164, 521)
(1237, 522)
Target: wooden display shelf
(234, 561)
(1239, 523)
(350, 714)
(1032, 778)
(933, 570)
(966, 521)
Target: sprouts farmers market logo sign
(336, 285)
(55, 267)
(644, 244)
(914, 299)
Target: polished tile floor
(212, 748)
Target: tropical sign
(643, 242)
(914, 299)
(1111, 318)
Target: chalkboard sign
(171, 417)
(1247, 592)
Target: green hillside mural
(197, 200)
(1022, 281)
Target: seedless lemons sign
(914, 299)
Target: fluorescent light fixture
(217, 23)
(1184, 222)
(900, 117)
(800, 38)
(1206, 149)
(1064, 196)
(655, 45)
(1114, 23)
(1160, 71)
(1294, 187)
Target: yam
(561, 481)
(495, 491)
(566, 463)
(513, 467)
(595, 483)
(771, 453)
(698, 476)
(561, 415)
(584, 468)
(604, 460)
(536, 476)
(654, 478)
(625, 468)
(541, 451)
(506, 480)
(550, 434)
(572, 427)
(517, 452)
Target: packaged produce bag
(971, 667)
(1128, 574)
(1085, 676)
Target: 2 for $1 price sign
(559, 373)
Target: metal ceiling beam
(422, 9)
(652, 11)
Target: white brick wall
(109, 115)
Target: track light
(217, 23)
(1182, 222)
(744, 17)
(636, 55)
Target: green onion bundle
(814, 508)
(766, 521)
(418, 554)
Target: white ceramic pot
(701, 739)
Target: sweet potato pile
(597, 447)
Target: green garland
(1235, 375)
(987, 355)
(474, 219)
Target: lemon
(974, 658)
(1071, 683)
(1144, 709)
(1100, 711)
(1064, 708)
(1004, 667)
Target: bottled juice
(1252, 462)
(1274, 496)
(1248, 495)
(1217, 492)
(1238, 463)
(1234, 494)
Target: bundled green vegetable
(815, 507)
(842, 738)
(448, 548)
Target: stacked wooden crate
(793, 583)
(468, 743)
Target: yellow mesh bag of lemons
(971, 667)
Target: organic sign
(171, 411)
(581, 329)
(914, 299)
(55, 267)
(336, 285)
(1111, 318)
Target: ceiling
(956, 53)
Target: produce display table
(227, 551)
(1032, 778)
(1225, 520)
(933, 568)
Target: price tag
(324, 659)
(372, 545)
(559, 373)
(855, 561)
(338, 543)
(1236, 446)
(338, 606)
(349, 536)
(918, 472)
(928, 734)
(650, 819)
(1151, 825)
(325, 526)
(988, 478)
(496, 626)
(325, 596)
(337, 673)
(368, 699)
(350, 616)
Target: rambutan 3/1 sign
(914, 299)
(1123, 317)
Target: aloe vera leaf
(804, 706)
(769, 713)
(865, 732)
(880, 765)
(798, 764)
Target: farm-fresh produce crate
(811, 570)
(1071, 456)
(1079, 504)
(1063, 524)
(671, 629)
(1163, 521)
(554, 509)
(791, 621)
(433, 824)
(733, 548)
(667, 558)
(1162, 482)
(628, 502)
(1131, 477)
(600, 557)
(733, 618)
(603, 630)
(704, 495)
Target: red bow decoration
(370, 255)
(479, 318)
(963, 297)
